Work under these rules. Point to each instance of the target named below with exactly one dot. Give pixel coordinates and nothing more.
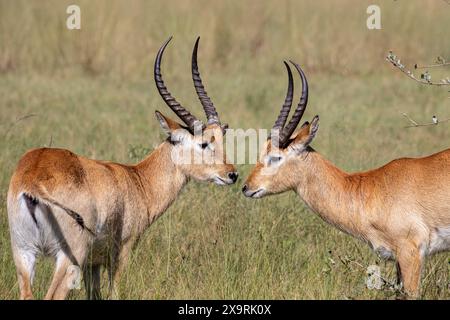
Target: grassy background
(92, 91)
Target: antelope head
(283, 159)
(197, 148)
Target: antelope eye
(274, 159)
(204, 145)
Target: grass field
(92, 91)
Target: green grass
(93, 93)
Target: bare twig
(50, 142)
(440, 62)
(17, 121)
(427, 124)
(411, 120)
(443, 64)
(425, 78)
(345, 261)
(414, 124)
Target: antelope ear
(175, 131)
(305, 135)
(168, 125)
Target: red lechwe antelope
(402, 210)
(88, 213)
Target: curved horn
(284, 112)
(173, 104)
(208, 106)
(290, 128)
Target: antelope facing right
(89, 213)
(402, 210)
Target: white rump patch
(439, 240)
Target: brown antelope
(89, 213)
(402, 210)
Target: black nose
(233, 176)
(244, 188)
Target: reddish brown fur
(117, 202)
(402, 208)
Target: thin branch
(411, 120)
(50, 143)
(443, 64)
(17, 121)
(425, 78)
(414, 123)
(345, 261)
(427, 124)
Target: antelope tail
(32, 201)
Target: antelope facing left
(402, 210)
(88, 213)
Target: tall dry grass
(121, 37)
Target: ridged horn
(210, 111)
(286, 107)
(173, 104)
(299, 111)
